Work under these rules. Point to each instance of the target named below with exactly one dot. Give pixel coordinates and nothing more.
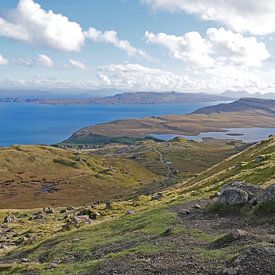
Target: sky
(152, 45)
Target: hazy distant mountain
(130, 98)
(240, 94)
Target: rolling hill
(36, 176)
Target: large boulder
(267, 195)
(251, 190)
(233, 196)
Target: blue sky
(154, 45)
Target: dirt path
(168, 165)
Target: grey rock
(267, 195)
(157, 196)
(10, 219)
(251, 190)
(230, 271)
(233, 196)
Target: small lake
(244, 134)
(24, 123)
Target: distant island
(127, 98)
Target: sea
(27, 123)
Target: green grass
(125, 234)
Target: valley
(142, 207)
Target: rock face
(233, 196)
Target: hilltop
(243, 113)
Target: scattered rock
(229, 238)
(167, 232)
(256, 260)
(108, 205)
(229, 271)
(88, 212)
(24, 260)
(130, 212)
(157, 196)
(49, 211)
(82, 220)
(10, 219)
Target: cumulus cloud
(111, 37)
(134, 76)
(77, 64)
(219, 47)
(3, 61)
(30, 23)
(46, 61)
(254, 16)
(190, 47)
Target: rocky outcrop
(240, 194)
(233, 196)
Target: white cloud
(254, 16)
(3, 61)
(45, 61)
(137, 77)
(190, 47)
(219, 47)
(133, 76)
(30, 23)
(111, 37)
(77, 64)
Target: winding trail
(161, 159)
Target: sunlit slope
(254, 165)
(33, 176)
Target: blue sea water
(244, 134)
(24, 123)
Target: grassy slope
(254, 165)
(91, 246)
(188, 158)
(78, 178)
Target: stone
(108, 205)
(88, 212)
(82, 219)
(267, 195)
(10, 219)
(24, 260)
(197, 206)
(130, 212)
(233, 196)
(157, 196)
(230, 271)
(251, 190)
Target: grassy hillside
(254, 165)
(157, 236)
(186, 158)
(36, 176)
